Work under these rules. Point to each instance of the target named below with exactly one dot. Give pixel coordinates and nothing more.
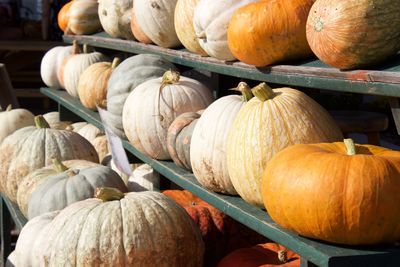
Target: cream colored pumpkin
(95, 136)
(151, 108)
(143, 178)
(14, 119)
(76, 126)
(270, 122)
(53, 119)
(137, 31)
(184, 12)
(100, 143)
(208, 144)
(156, 19)
(51, 63)
(35, 178)
(83, 17)
(115, 17)
(210, 21)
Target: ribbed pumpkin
(262, 255)
(355, 33)
(35, 178)
(53, 119)
(75, 50)
(143, 177)
(129, 74)
(92, 85)
(156, 19)
(51, 64)
(150, 109)
(211, 19)
(178, 138)
(115, 17)
(349, 197)
(14, 119)
(267, 32)
(143, 229)
(32, 148)
(268, 123)
(137, 31)
(63, 16)
(208, 143)
(184, 12)
(83, 17)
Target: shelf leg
(306, 263)
(395, 107)
(5, 224)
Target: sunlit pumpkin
(63, 16)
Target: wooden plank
(29, 45)
(7, 94)
(319, 253)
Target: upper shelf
(319, 253)
(384, 80)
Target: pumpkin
(183, 20)
(31, 148)
(144, 177)
(116, 229)
(70, 186)
(83, 17)
(100, 144)
(129, 74)
(29, 183)
(353, 34)
(261, 255)
(11, 260)
(14, 119)
(268, 123)
(92, 85)
(53, 119)
(210, 23)
(178, 138)
(137, 31)
(63, 16)
(354, 203)
(208, 143)
(151, 108)
(267, 32)
(76, 65)
(115, 17)
(51, 63)
(60, 69)
(156, 19)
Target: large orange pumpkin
(349, 34)
(63, 16)
(269, 31)
(342, 193)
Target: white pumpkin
(151, 108)
(144, 178)
(208, 143)
(156, 19)
(11, 260)
(51, 63)
(14, 119)
(53, 119)
(210, 21)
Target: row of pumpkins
(344, 34)
(245, 145)
(82, 213)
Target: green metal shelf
(384, 80)
(321, 254)
(18, 218)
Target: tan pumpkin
(92, 85)
(53, 119)
(14, 119)
(83, 17)
(100, 144)
(51, 64)
(268, 123)
(137, 31)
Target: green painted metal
(319, 253)
(18, 218)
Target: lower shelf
(319, 253)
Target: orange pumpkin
(341, 193)
(63, 16)
(267, 32)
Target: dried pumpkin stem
(263, 92)
(9, 108)
(169, 77)
(350, 146)
(108, 194)
(75, 48)
(282, 255)
(71, 173)
(245, 89)
(40, 122)
(87, 49)
(59, 166)
(115, 63)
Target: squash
(261, 255)
(137, 31)
(83, 17)
(129, 74)
(63, 16)
(210, 23)
(354, 203)
(51, 64)
(53, 119)
(75, 50)
(92, 85)
(100, 144)
(208, 143)
(150, 109)
(29, 183)
(156, 19)
(14, 119)
(267, 32)
(355, 33)
(72, 185)
(115, 17)
(268, 123)
(178, 138)
(31, 148)
(76, 65)
(184, 12)
(143, 178)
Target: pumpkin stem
(282, 255)
(40, 122)
(350, 146)
(75, 48)
(263, 92)
(9, 108)
(108, 194)
(87, 49)
(202, 35)
(71, 173)
(59, 166)
(115, 63)
(244, 88)
(169, 77)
